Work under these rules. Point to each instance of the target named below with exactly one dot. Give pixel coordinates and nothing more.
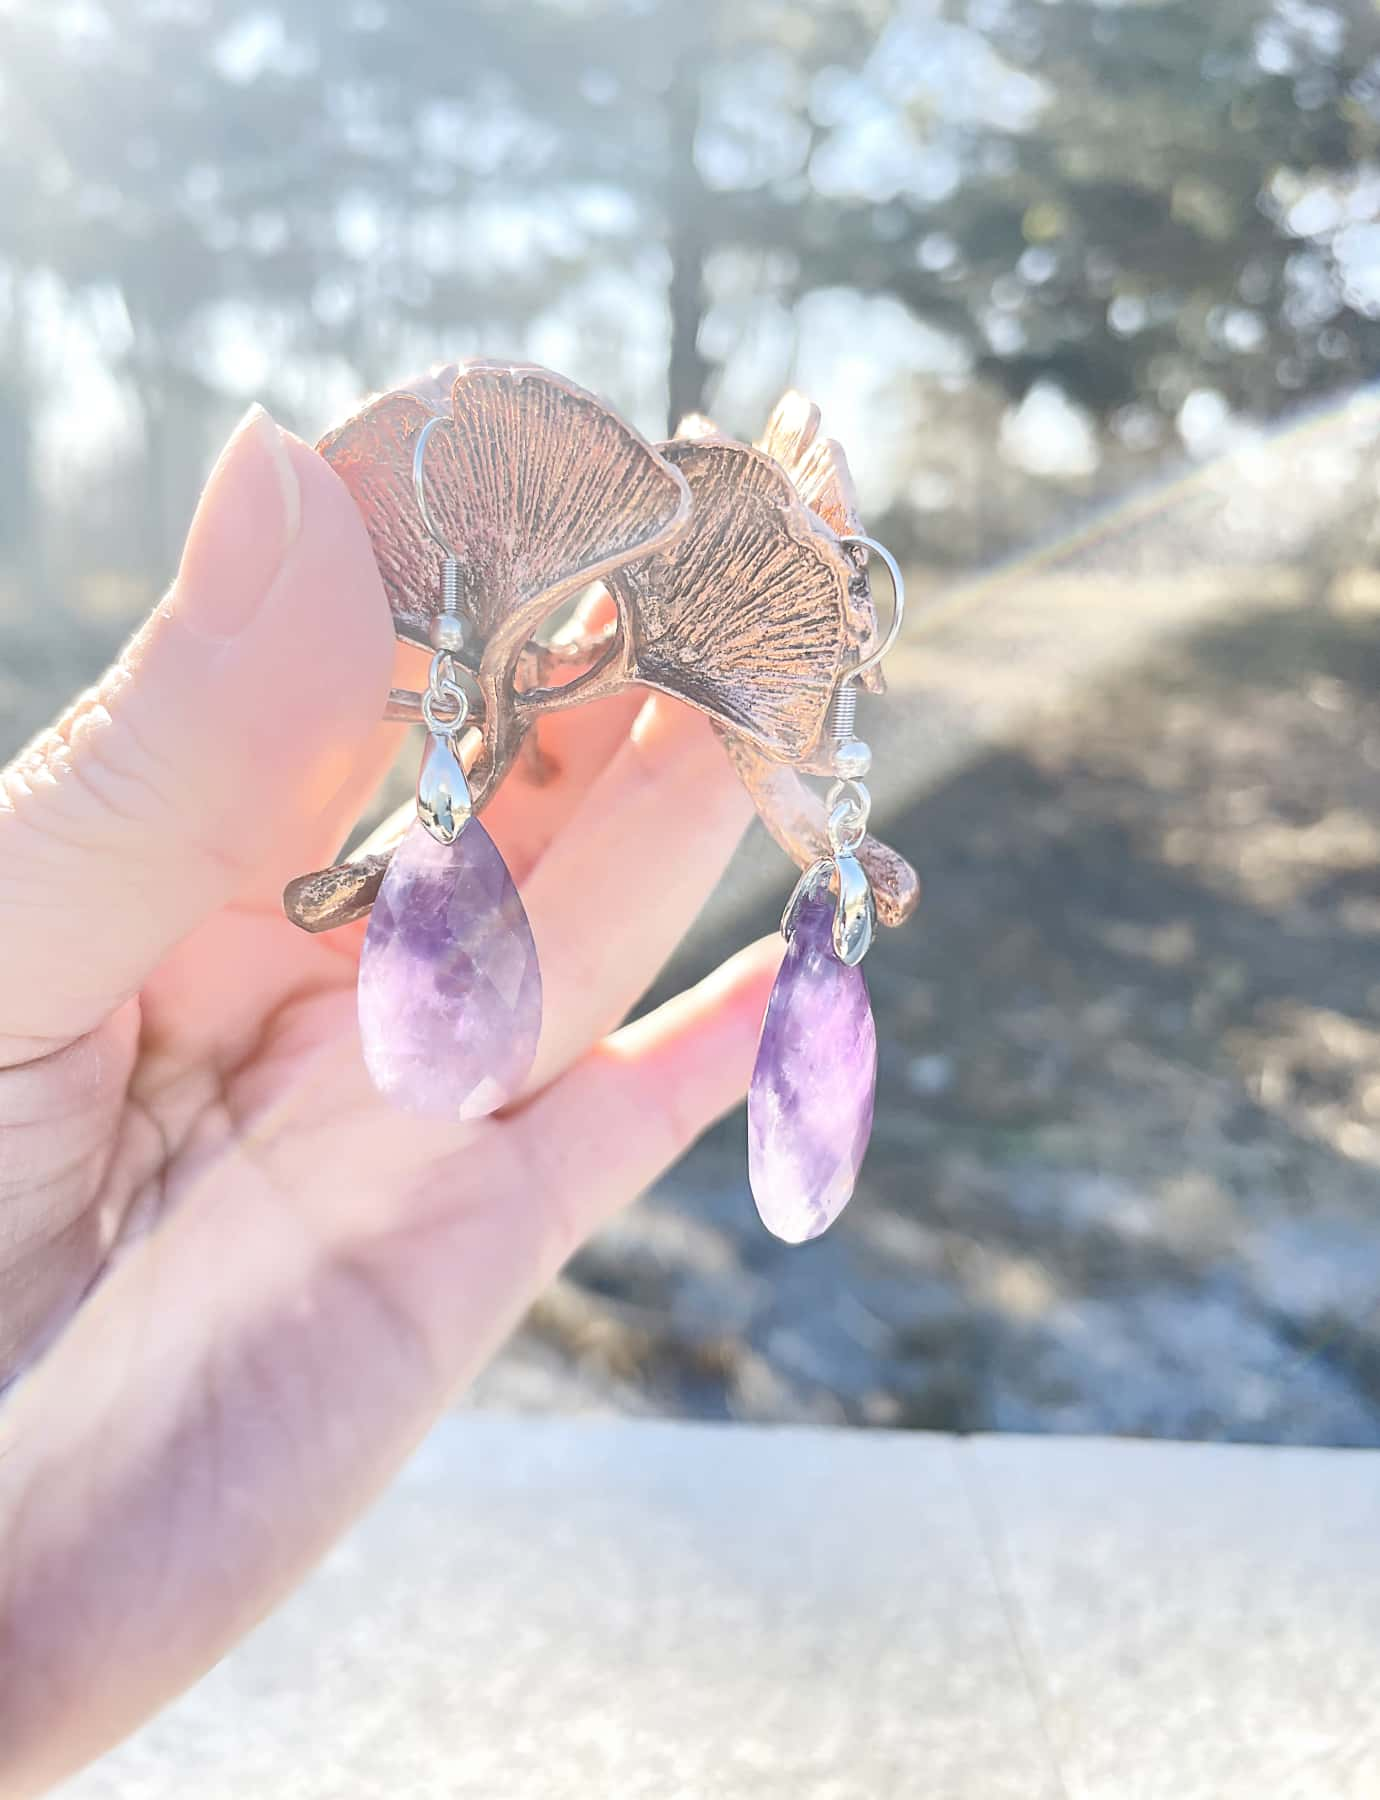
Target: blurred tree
(1164, 210)
(111, 133)
(343, 182)
(18, 500)
(1151, 233)
(586, 131)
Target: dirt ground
(1126, 1169)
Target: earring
(449, 984)
(814, 1081)
(494, 493)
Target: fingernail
(247, 520)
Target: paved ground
(558, 1609)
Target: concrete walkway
(583, 1611)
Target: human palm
(235, 1286)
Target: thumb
(225, 728)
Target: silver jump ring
(445, 704)
(849, 806)
(852, 794)
(847, 829)
(457, 708)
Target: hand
(239, 1287)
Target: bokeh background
(1092, 293)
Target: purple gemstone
(813, 1086)
(449, 987)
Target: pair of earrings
(495, 494)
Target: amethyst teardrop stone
(449, 987)
(814, 1083)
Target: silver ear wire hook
(447, 628)
(419, 483)
(852, 758)
(849, 802)
(898, 615)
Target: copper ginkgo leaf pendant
(819, 473)
(746, 616)
(816, 465)
(537, 487)
(731, 587)
(793, 812)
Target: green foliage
(1132, 200)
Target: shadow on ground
(1126, 1171)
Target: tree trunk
(19, 499)
(687, 374)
